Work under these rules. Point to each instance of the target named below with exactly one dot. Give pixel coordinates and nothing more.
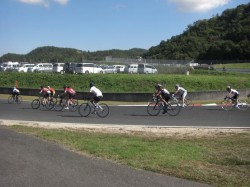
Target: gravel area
(159, 131)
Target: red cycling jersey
(70, 90)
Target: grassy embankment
(197, 81)
(222, 160)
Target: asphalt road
(29, 161)
(212, 116)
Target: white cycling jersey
(96, 91)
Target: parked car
(109, 69)
(133, 68)
(9, 66)
(88, 68)
(69, 67)
(121, 68)
(41, 67)
(58, 68)
(146, 68)
(25, 67)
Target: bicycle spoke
(35, 104)
(153, 109)
(10, 99)
(102, 110)
(84, 109)
(173, 109)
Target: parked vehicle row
(78, 68)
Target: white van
(121, 68)
(42, 67)
(133, 68)
(146, 68)
(9, 66)
(58, 68)
(88, 68)
(25, 67)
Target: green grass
(125, 83)
(233, 66)
(219, 161)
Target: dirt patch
(160, 131)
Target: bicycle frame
(100, 109)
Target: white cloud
(45, 3)
(198, 5)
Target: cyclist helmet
(91, 84)
(158, 86)
(48, 87)
(228, 88)
(177, 86)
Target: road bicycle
(42, 102)
(63, 103)
(229, 103)
(100, 109)
(14, 99)
(156, 105)
(188, 103)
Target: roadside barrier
(132, 97)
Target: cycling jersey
(181, 90)
(45, 91)
(52, 90)
(70, 90)
(95, 91)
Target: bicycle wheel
(10, 99)
(188, 104)
(226, 105)
(153, 108)
(84, 109)
(59, 105)
(35, 104)
(173, 108)
(74, 106)
(102, 110)
(242, 104)
(19, 99)
(50, 104)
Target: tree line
(224, 37)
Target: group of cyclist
(69, 93)
(164, 95)
(96, 95)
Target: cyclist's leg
(183, 98)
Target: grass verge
(221, 160)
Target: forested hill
(56, 54)
(224, 37)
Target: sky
(96, 25)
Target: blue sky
(93, 25)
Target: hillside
(56, 54)
(224, 37)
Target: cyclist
(45, 92)
(52, 92)
(70, 93)
(233, 94)
(163, 94)
(181, 92)
(15, 92)
(95, 94)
